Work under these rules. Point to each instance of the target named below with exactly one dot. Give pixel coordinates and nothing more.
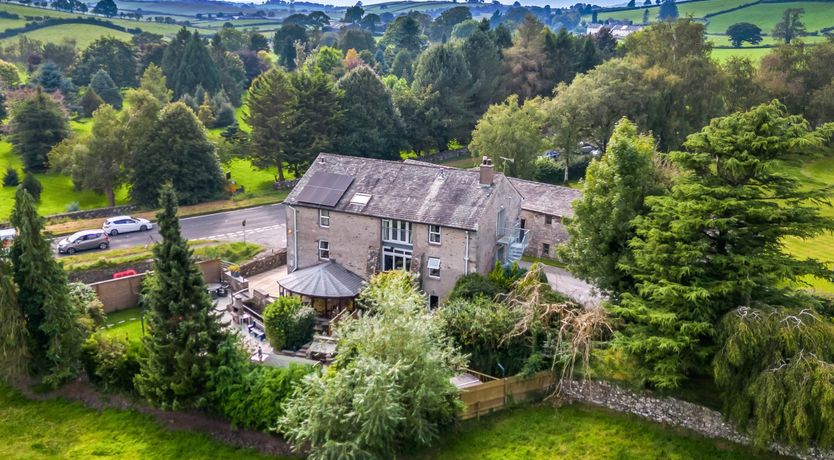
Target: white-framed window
(324, 250)
(394, 258)
(501, 224)
(324, 218)
(434, 267)
(434, 234)
(396, 231)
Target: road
(265, 225)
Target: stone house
(542, 212)
(366, 215)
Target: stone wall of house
(671, 411)
(552, 234)
(264, 262)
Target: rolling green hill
(818, 15)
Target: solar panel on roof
(325, 189)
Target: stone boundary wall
(93, 213)
(103, 274)
(671, 411)
(264, 262)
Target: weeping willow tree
(559, 331)
(776, 372)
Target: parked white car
(125, 224)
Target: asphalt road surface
(265, 225)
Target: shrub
(288, 323)
(551, 172)
(505, 276)
(251, 395)
(474, 285)
(11, 178)
(90, 102)
(110, 362)
(32, 185)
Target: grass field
(754, 54)
(124, 324)
(84, 34)
(685, 9)
(576, 432)
(766, 15)
(59, 429)
(404, 7)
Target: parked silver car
(124, 224)
(83, 240)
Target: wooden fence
(497, 394)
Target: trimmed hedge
(49, 22)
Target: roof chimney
(487, 172)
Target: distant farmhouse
(351, 217)
(618, 31)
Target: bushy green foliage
(114, 56)
(251, 395)
(90, 102)
(389, 389)
(187, 64)
(371, 126)
(479, 326)
(269, 101)
(111, 362)
(289, 324)
(90, 309)
(473, 285)
(11, 178)
(715, 242)
(776, 372)
(615, 187)
(505, 276)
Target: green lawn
(124, 323)
(685, 9)
(754, 54)
(60, 429)
(766, 15)
(577, 432)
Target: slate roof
(328, 280)
(411, 191)
(546, 198)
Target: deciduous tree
(116, 57)
(791, 25)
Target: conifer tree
(14, 349)
(317, 113)
(269, 102)
(184, 333)
(90, 102)
(155, 83)
(51, 320)
(104, 87)
(205, 113)
(176, 150)
(372, 128)
(715, 242)
(37, 123)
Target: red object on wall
(122, 274)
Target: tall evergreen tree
(442, 76)
(51, 320)
(37, 123)
(615, 188)
(177, 151)
(269, 114)
(284, 43)
(184, 333)
(154, 81)
(715, 242)
(14, 347)
(404, 34)
(484, 62)
(187, 63)
(51, 78)
(316, 117)
(104, 87)
(371, 125)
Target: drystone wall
(674, 412)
